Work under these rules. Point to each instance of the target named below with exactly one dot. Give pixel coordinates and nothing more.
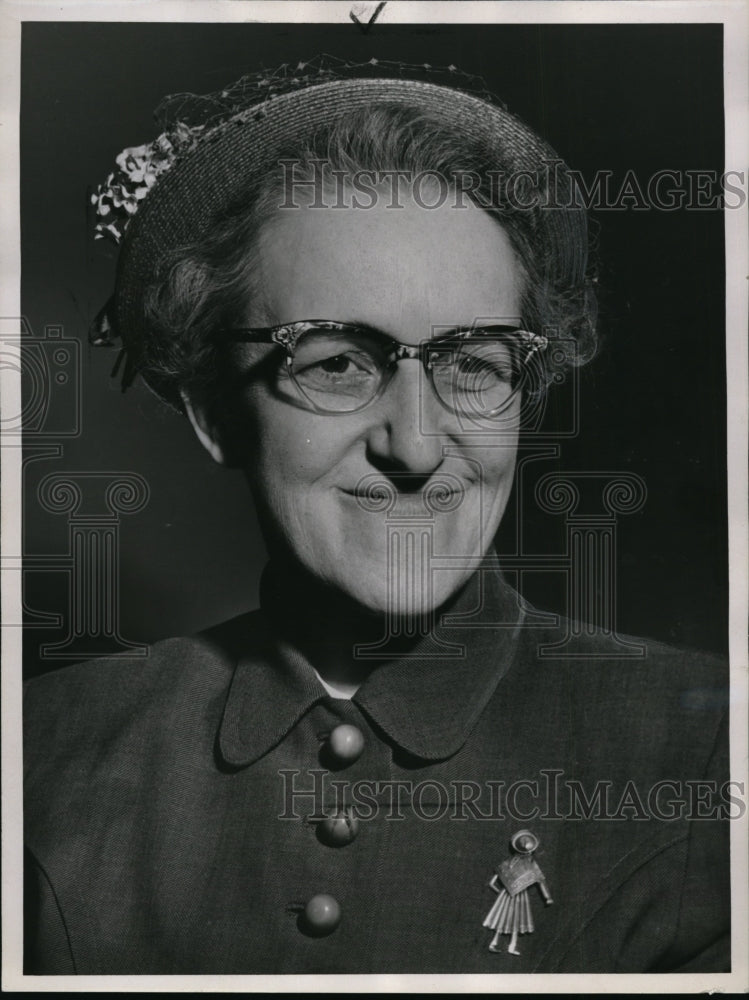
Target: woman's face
(411, 272)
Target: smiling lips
(435, 498)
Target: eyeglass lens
(474, 377)
(339, 371)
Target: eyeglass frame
(287, 335)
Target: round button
(322, 914)
(339, 830)
(345, 744)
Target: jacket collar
(427, 703)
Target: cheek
(493, 461)
(497, 467)
(289, 450)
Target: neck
(326, 627)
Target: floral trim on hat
(138, 169)
(184, 118)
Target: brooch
(511, 912)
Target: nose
(408, 432)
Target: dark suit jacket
(161, 793)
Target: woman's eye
(338, 365)
(472, 366)
(483, 364)
(344, 365)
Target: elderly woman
(357, 287)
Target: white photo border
(734, 15)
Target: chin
(405, 589)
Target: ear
(205, 428)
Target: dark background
(615, 97)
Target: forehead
(405, 270)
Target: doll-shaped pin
(511, 912)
